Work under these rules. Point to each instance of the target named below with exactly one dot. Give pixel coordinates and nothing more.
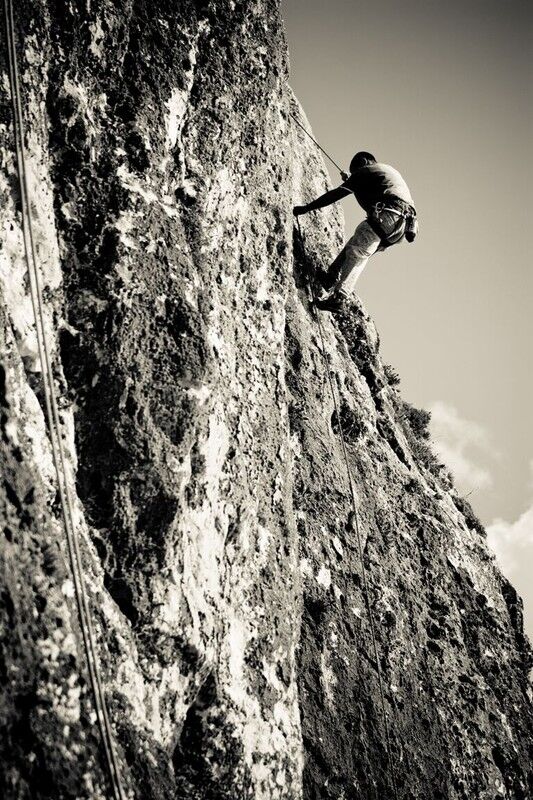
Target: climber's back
(375, 182)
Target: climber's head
(361, 159)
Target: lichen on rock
(204, 452)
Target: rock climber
(391, 216)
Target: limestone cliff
(210, 492)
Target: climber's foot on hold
(334, 304)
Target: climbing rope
(297, 121)
(355, 521)
(53, 420)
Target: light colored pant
(354, 256)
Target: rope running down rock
(297, 121)
(54, 423)
(355, 519)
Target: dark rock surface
(206, 467)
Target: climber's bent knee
(363, 243)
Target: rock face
(206, 470)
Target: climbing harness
(379, 207)
(54, 422)
(356, 526)
(407, 224)
(297, 121)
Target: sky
(443, 92)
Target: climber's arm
(324, 200)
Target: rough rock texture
(206, 469)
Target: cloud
(513, 542)
(463, 445)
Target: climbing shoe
(334, 304)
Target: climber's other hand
(298, 210)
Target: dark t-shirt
(373, 183)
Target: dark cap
(361, 159)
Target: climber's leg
(353, 258)
(328, 279)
